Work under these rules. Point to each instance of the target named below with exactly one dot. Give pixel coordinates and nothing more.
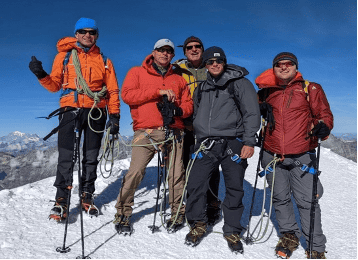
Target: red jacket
(140, 90)
(294, 114)
(93, 71)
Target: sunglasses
(198, 46)
(218, 61)
(91, 32)
(287, 64)
(168, 50)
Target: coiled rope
(83, 88)
(263, 231)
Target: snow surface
(26, 232)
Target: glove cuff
(115, 116)
(41, 74)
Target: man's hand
(247, 152)
(170, 93)
(320, 130)
(177, 111)
(36, 68)
(113, 123)
(267, 114)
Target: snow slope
(25, 231)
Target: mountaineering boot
(315, 255)
(196, 234)
(213, 212)
(175, 223)
(122, 224)
(59, 211)
(88, 205)
(234, 243)
(286, 245)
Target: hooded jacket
(294, 115)
(93, 71)
(140, 90)
(217, 115)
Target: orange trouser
(141, 156)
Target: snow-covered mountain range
(17, 143)
(26, 158)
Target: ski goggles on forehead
(218, 61)
(91, 32)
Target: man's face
(193, 51)
(215, 67)
(285, 71)
(163, 55)
(87, 37)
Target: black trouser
(189, 142)
(198, 185)
(91, 147)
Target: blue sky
(322, 34)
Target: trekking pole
(65, 249)
(154, 228)
(80, 189)
(165, 158)
(314, 199)
(248, 240)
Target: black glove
(320, 130)
(113, 123)
(165, 108)
(267, 114)
(36, 68)
(177, 111)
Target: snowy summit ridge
(27, 232)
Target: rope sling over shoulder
(81, 84)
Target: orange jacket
(93, 71)
(140, 90)
(294, 115)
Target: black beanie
(285, 56)
(213, 52)
(189, 40)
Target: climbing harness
(204, 149)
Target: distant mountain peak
(18, 133)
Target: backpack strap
(199, 91)
(231, 90)
(105, 58)
(66, 60)
(305, 88)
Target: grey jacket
(217, 115)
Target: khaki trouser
(141, 156)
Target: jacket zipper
(289, 99)
(282, 121)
